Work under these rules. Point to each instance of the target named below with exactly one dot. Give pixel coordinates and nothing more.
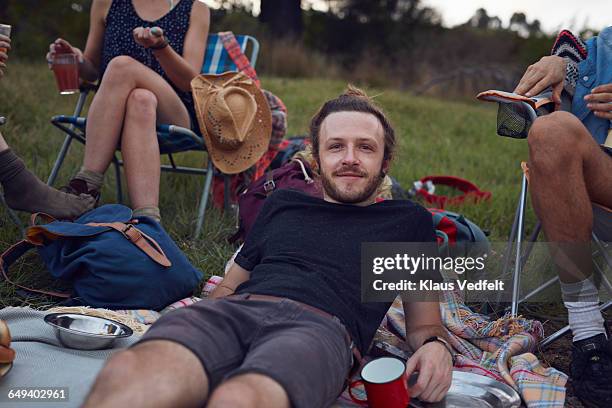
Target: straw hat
(234, 117)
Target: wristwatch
(443, 342)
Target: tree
(519, 24)
(407, 11)
(283, 17)
(483, 21)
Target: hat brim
(258, 137)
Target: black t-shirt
(309, 250)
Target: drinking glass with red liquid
(5, 29)
(66, 70)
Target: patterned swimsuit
(122, 19)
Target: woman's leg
(107, 114)
(140, 151)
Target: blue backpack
(112, 260)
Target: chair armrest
(70, 120)
(178, 130)
(87, 86)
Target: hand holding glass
(5, 30)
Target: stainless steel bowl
(79, 331)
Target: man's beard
(353, 196)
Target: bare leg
(568, 171)
(249, 391)
(108, 109)
(140, 149)
(154, 374)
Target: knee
(120, 69)
(119, 367)
(556, 137)
(142, 103)
(234, 393)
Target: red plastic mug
(384, 380)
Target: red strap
(11, 255)
(469, 189)
(235, 52)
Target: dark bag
(295, 175)
(458, 236)
(287, 149)
(112, 260)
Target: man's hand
(600, 101)
(5, 45)
(435, 366)
(148, 37)
(548, 71)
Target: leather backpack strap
(269, 186)
(46, 217)
(11, 255)
(147, 244)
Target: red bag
(295, 175)
(469, 190)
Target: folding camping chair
(216, 61)
(515, 116)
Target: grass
(436, 137)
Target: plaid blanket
(499, 349)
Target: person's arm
(433, 360)
(92, 56)
(600, 101)
(547, 72)
(233, 278)
(89, 60)
(181, 69)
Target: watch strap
(161, 45)
(444, 343)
